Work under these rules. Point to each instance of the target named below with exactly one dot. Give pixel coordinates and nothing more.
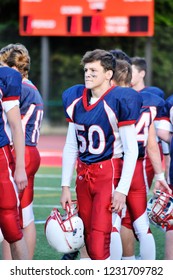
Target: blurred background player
(139, 70)
(31, 110)
(13, 179)
(120, 55)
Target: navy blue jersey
(10, 90)
(169, 108)
(171, 162)
(31, 109)
(154, 90)
(153, 101)
(169, 114)
(10, 83)
(97, 125)
(150, 111)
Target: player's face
(135, 76)
(94, 75)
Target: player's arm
(14, 120)
(130, 148)
(165, 135)
(69, 157)
(164, 130)
(155, 158)
(166, 155)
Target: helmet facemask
(160, 209)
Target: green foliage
(7, 8)
(163, 14)
(66, 71)
(162, 59)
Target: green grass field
(47, 196)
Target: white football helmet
(160, 209)
(64, 232)
(1, 236)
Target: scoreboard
(86, 17)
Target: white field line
(50, 154)
(47, 176)
(46, 206)
(49, 188)
(40, 222)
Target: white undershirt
(130, 148)
(93, 100)
(8, 105)
(69, 157)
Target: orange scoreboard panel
(87, 17)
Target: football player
(154, 102)
(165, 130)
(101, 130)
(13, 177)
(31, 110)
(137, 196)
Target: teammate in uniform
(13, 179)
(150, 113)
(139, 69)
(31, 109)
(137, 196)
(101, 128)
(165, 130)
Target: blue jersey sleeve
(152, 100)
(69, 96)
(31, 109)
(160, 109)
(10, 83)
(130, 103)
(157, 91)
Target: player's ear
(143, 73)
(109, 74)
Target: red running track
(50, 148)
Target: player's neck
(97, 92)
(139, 86)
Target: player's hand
(118, 201)
(65, 197)
(20, 179)
(161, 185)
